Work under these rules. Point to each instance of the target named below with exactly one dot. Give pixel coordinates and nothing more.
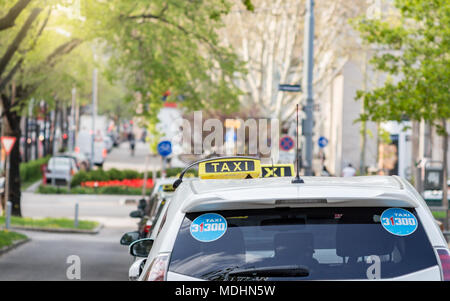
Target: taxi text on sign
(230, 169)
(277, 170)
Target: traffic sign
(322, 142)
(165, 148)
(286, 143)
(290, 88)
(8, 143)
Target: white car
(325, 228)
(60, 169)
(153, 227)
(84, 146)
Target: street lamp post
(308, 84)
(72, 121)
(94, 112)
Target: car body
(83, 162)
(327, 228)
(84, 146)
(60, 169)
(153, 211)
(154, 216)
(108, 142)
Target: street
(324, 106)
(101, 255)
(121, 158)
(45, 256)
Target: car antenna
(297, 179)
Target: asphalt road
(121, 158)
(101, 256)
(45, 257)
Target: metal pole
(6, 190)
(308, 79)
(163, 172)
(72, 121)
(8, 215)
(144, 186)
(94, 112)
(75, 223)
(362, 156)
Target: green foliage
(7, 238)
(102, 175)
(168, 46)
(142, 49)
(416, 48)
(58, 223)
(89, 190)
(31, 170)
(115, 174)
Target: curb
(58, 230)
(15, 244)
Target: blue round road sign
(286, 143)
(323, 142)
(165, 148)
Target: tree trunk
(11, 127)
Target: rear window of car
(59, 162)
(324, 243)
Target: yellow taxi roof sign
(230, 168)
(277, 170)
(168, 187)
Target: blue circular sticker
(208, 227)
(398, 221)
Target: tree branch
(8, 21)
(18, 40)
(61, 51)
(8, 78)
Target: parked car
(84, 145)
(108, 143)
(83, 162)
(60, 169)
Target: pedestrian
(132, 141)
(349, 171)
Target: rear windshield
(301, 244)
(58, 162)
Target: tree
(161, 46)
(149, 47)
(415, 53)
(32, 52)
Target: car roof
(200, 195)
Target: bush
(115, 174)
(89, 190)
(31, 170)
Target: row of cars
(240, 220)
(62, 167)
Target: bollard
(8, 215)
(76, 216)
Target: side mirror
(136, 269)
(141, 247)
(142, 204)
(129, 237)
(137, 213)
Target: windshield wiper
(273, 271)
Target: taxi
(148, 211)
(234, 224)
(159, 200)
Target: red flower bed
(134, 183)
